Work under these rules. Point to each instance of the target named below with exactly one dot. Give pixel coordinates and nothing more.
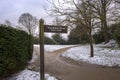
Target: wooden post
(41, 36)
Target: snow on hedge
(31, 75)
(102, 56)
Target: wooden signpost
(55, 29)
(47, 28)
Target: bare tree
(7, 22)
(29, 22)
(77, 12)
(57, 21)
(118, 1)
(101, 8)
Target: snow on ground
(102, 56)
(50, 48)
(111, 43)
(31, 75)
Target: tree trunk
(104, 22)
(106, 37)
(91, 45)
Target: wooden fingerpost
(41, 36)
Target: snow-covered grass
(111, 43)
(102, 56)
(50, 48)
(31, 75)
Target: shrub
(47, 40)
(58, 38)
(14, 50)
(72, 39)
(115, 31)
(98, 37)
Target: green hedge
(14, 50)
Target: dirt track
(65, 69)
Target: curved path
(66, 69)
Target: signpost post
(41, 36)
(47, 28)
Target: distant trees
(78, 35)
(59, 39)
(47, 40)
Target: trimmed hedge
(14, 50)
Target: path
(65, 69)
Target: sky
(12, 9)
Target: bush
(115, 31)
(72, 39)
(14, 50)
(58, 38)
(47, 40)
(98, 37)
(36, 40)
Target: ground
(65, 63)
(68, 69)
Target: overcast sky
(12, 9)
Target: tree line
(86, 17)
(91, 14)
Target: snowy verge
(102, 56)
(111, 43)
(30, 75)
(50, 48)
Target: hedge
(14, 50)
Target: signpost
(47, 28)
(55, 29)
(41, 36)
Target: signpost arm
(41, 36)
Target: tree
(77, 11)
(117, 1)
(57, 21)
(78, 35)
(48, 40)
(101, 8)
(57, 38)
(7, 22)
(29, 22)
